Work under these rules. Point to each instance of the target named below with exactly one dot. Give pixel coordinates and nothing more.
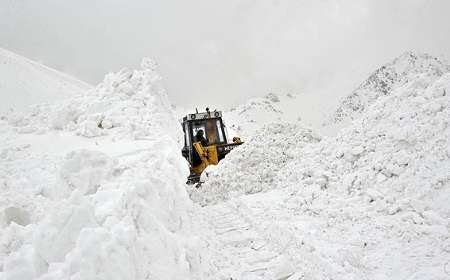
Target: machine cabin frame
(214, 131)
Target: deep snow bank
(104, 213)
(253, 166)
(24, 82)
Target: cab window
(187, 139)
(211, 132)
(196, 126)
(219, 129)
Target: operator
(200, 138)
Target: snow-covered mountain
(24, 82)
(403, 69)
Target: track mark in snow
(240, 251)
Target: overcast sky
(221, 52)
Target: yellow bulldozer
(205, 141)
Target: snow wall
(100, 216)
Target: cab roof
(203, 116)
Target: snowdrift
(118, 210)
(24, 82)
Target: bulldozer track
(241, 252)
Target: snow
(258, 160)
(369, 203)
(244, 120)
(386, 175)
(92, 186)
(85, 200)
(122, 101)
(396, 73)
(24, 82)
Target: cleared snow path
(240, 251)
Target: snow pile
(133, 224)
(253, 166)
(116, 211)
(130, 103)
(375, 198)
(24, 82)
(384, 80)
(399, 148)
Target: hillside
(24, 82)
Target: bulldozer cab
(211, 148)
(210, 123)
(214, 131)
